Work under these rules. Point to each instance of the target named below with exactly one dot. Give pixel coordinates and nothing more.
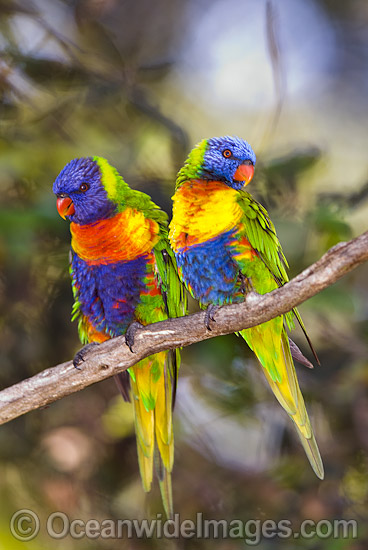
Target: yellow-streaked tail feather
(164, 478)
(163, 421)
(152, 401)
(284, 385)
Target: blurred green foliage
(85, 77)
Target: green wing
(261, 233)
(259, 230)
(172, 288)
(174, 295)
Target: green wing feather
(261, 233)
(171, 286)
(173, 292)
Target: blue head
(81, 195)
(228, 159)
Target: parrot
(124, 275)
(226, 246)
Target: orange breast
(124, 237)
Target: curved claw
(246, 285)
(210, 315)
(130, 334)
(80, 356)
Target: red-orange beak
(65, 206)
(244, 173)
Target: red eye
(227, 153)
(83, 187)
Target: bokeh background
(140, 82)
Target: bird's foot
(80, 356)
(130, 334)
(246, 285)
(210, 315)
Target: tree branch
(114, 356)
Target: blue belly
(109, 294)
(210, 271)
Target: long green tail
(274, 355)
(152, 399)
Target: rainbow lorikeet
(124, 272)
(226, 244)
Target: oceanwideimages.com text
(25, 525)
